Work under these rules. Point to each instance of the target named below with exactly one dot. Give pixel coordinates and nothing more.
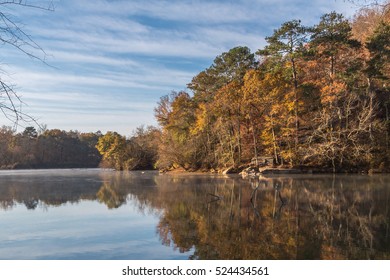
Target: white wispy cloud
(84, 57)
(188, 11)
(141, 78)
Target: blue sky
(110, 61)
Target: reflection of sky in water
(95, 214)
(87, 230)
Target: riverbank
(251, 171)
(245, 170)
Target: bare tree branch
(12, 34)
(383, 7)
(25, 3)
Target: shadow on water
(216, 217)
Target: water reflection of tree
(352, 218)
(111, 195)
(110, 188)
(43, 191)
(307, 217)
(285, 218)
(119, 187)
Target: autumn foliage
(313, 96)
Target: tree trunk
(295, 103)
(254, 140)
(274, 141)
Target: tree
(177, 147)
(365, 22)
(112, 146)
(205, 130)
(12, 35)
(378, 71)
(232, 65)
(345, 138)
(142, 148)
(330, 38)
(219, 120)
(267, 106)
(228, 67)
(164, 108)
(287, 43)
(343, 127)
(285, 47)
(6, 143)
(379, 47)
(30, 132)
(227, 108)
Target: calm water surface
(101, 214)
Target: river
(103, 214)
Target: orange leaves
(300, 89)
(252, 84)
(330, 93)
(202, 119)
(228, 100)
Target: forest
(54, 148)
(47, 149)
(313, 96)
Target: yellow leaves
(201, 119)
(112, 146)
(252, 84)
(228, 100)
(291, 242)
(290, 105)
(331, 92)
(267, 140)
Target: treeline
(313, 96)
(52, 148)
(56, 148)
